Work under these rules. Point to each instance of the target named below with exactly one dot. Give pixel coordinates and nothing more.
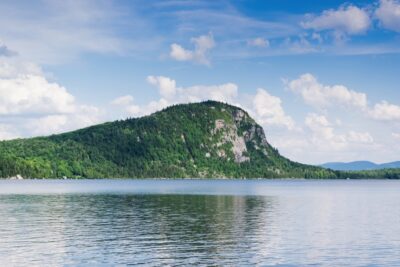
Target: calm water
(197, 222)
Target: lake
(199, 222)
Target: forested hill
(208, 139)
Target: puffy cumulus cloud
(324, 136)
(8, 132)
(122, 100)
(37, 106)
(12, 68)
(168, 89)
(149, 108)
(166, 86)
(385, 111)
(347, 19)
(224, 93)
(202, 45)
(132, 109)
(179, 53)
(359, 137)
(321, 140)
(268, 110)
(322, 96)
(321, 128)
(47, 124)
(33, 94)
(388, 14)
(258, 42)
(57, 123)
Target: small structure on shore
(17, 177)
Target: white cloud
(11, 68)
(47, 125)
(258, 42)
(224, 93)
(134, 110)
(122, 100)
(202, 45)
(37, 106)
(299, 45)
(33, 94)
(359, 137)
(322, 96)
(8, 132)
(388, 14)
(320, 126)
(151, 107)
(52, 124)
(347, 19)
(269, 111)
(168, 89)
(324, 136)
(385, 111)
(180, 54)
(166, 86)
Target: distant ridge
(360, 165)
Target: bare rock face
(239, 146)
(230, 135)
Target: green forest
(201, 140)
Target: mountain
(208, 139)
(360, 165)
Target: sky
(321, 77)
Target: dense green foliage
(180, 141)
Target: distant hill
(360, 165)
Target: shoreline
(192, 178)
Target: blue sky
(321, 77)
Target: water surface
(199, 222)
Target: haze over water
(206, 222)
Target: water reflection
(164, 229)
(265, 223)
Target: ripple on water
(311, 223)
